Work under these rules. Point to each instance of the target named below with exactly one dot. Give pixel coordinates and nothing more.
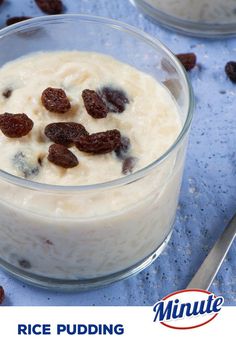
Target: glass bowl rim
(141, 35)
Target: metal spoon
(211, 265)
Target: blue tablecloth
(208, 194)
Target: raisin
(21, 163)
(24, 263)
(124, 147)
(188, 60)
(94, 104)
(128, 165)
(2, 295)
(65, 133)
(50, 7)
(230, 69)
(7, 93)
(10, 21)
(61, 156)
(115, 99)
(100, 143)
(55, 100)
(15, 125)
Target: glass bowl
(46, 237)
(202, 18)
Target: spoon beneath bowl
(212, 263)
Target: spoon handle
(211, 265)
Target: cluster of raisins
(66, 134)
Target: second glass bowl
(201, 18)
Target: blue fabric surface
(208, 194)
